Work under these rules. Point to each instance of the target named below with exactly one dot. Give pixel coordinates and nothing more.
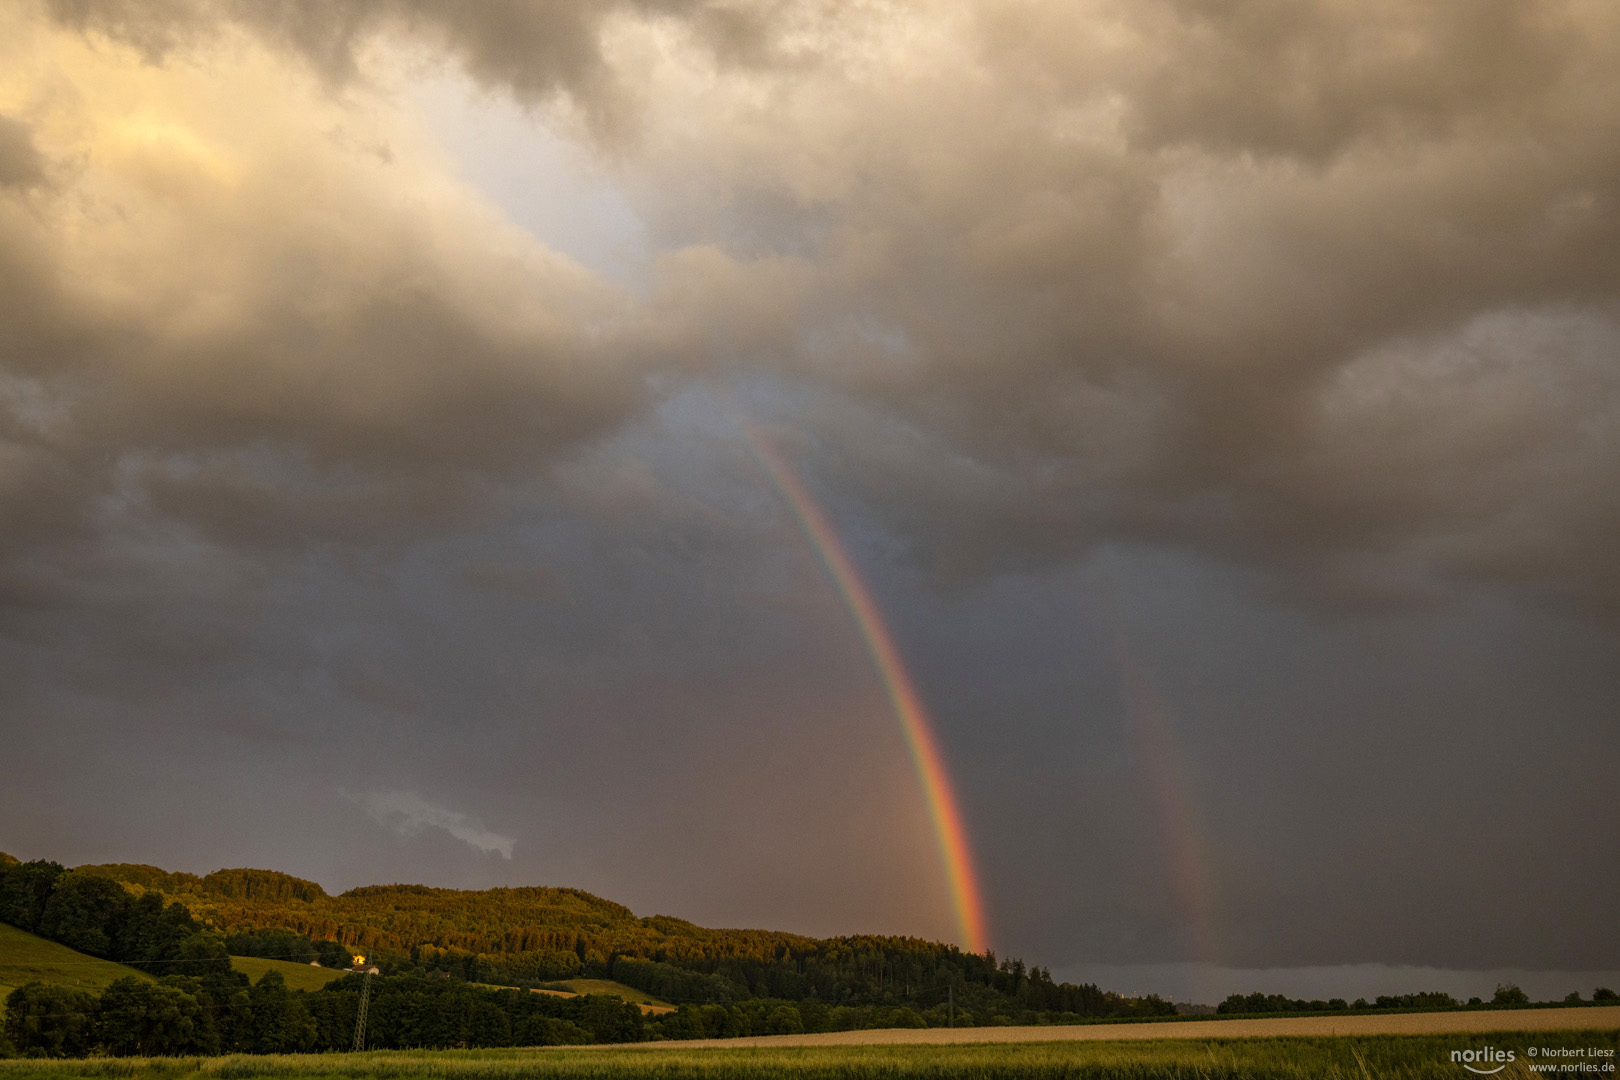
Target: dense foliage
(94, 914)
(224, 1014)
(432, 943)
(531, 936)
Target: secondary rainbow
(954, 849)
(1172, 802)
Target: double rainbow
(903, 697)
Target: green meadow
(608, 986)
(1405, 1057)
(298, 976)
(26, 958)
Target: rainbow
(1189, 879)
(903, 697)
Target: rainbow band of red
(908, 707)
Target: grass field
(298, 976)
(25, 958)
(617, 989)
(1404, 1057)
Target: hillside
(26, 958)
(557, 931)
(298, 976)
(183, 923)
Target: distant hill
(26, 958)
(558, 932)
(525, 936)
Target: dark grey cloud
(1270, 345)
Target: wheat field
(1360, 1057)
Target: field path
(1439, 1023)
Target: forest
(444, 955)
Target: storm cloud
(1272, 343)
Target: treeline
(222, 1013)
(282, 944)
(867, 980)
(1507, 994)
(94, 915)
(1261, 1003)
(889, 972)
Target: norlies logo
(1490, 1055)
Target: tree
(280, 1023)
(24, 890)
(278, 944)
(85, 912)
(152, 1019)
(483, 1023)
(549, 1031)
(1509, 994)
(784, 1020)
(202, 953)
(684, 1023)
(609, 1019)
(151, 933)
(50, 1021)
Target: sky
(414, 417)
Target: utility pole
(360, 1020)
(950, 997)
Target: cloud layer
(1163, 267)
(1306, 309)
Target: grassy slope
(618, 989)
(25, 958)
(1409, 1057)
(298, 976)
(650, 1006)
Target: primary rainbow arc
(907, 704)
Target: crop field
(25, 958)
(298, 976)
(1606, 1018)
(1404, 1057)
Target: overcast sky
(1221, 401)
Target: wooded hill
(533, 935)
